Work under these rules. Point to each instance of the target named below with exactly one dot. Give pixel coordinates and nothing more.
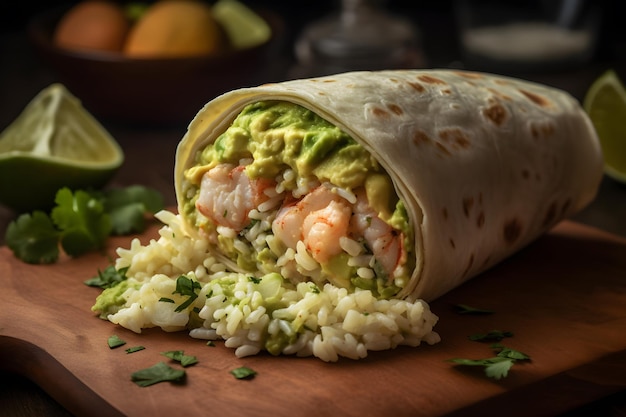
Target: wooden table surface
(22, 77)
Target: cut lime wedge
(605, 103)
(243, 26)
(54, 143)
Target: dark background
(434, 19)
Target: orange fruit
(93, 25)
(175, 28)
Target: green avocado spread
(277, 135)
(271, 137)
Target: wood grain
(563, 297)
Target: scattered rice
(327, 322)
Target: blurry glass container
(527, 35)
(362, 35)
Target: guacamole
(269, 138)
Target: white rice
(326, 322)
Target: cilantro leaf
(243, 372)
(82, 220)
(128, 206)
(496, 367)
(499, 369)
(179, 356)
(466, 309)
(135, 349)
(505, 352)
(108, 278)
(115, 342)
(160, 372)
(33, 238)
(186, 287)
(149, 198)
(493, 335)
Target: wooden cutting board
(563, 297)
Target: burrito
(321, 216)
(405, 183)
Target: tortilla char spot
(499, 94)
(442, 149)
(480, 220)
(395, 109)
(455, 136)
(331, 80)
(377, 111)
(550, 215)
(542, 129)
(467, 74)
(512, 230)
(534, 132)
(446, 91)
(417, 87)
(428, 79)
(452, 243)
(536, 98)
(496, 113)
(420, 137)
(470, 262)
(444, 213)
(468, 202)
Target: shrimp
(227, 195)
(319, 219)
(385, 242)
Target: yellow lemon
(605, 103)
(54, 143)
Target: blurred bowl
(155, 91)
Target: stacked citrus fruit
(163, 29)
(54, 143)
(605, 103)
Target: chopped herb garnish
(254, 280)
(80, 222)
(166, 300)
(179, 356)
(466, 309)
(493, 335)
(135, 349)
(315, 289)
(160, 372)
(187, 288)
(108, 278)
(115, 341)
(243, 372)
(496, 367)
(210, 343)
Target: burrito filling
(284, 191)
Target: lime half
(54, 143)
(605, 103)
(244, 27)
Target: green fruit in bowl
(54, 143)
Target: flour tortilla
(484, 163)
